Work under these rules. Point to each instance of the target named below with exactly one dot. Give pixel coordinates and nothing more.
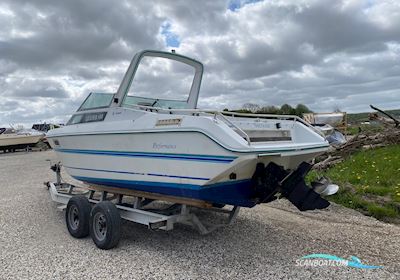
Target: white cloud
(323, 54)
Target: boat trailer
(96, 212)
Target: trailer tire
(105, 225)
(77, 216)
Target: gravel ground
(263, 243)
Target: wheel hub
(100, 226)
(73, 216)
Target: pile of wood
(363, 140)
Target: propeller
(324, 187)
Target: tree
(286, 109)
(302, 109)
(268, 110)
(337, 109)
(251, 107)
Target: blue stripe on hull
(238, 193)
(170, 156)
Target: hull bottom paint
(239, 193)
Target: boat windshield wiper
(155, 102)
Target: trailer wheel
(77, 216)
(105, 225)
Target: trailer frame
(155, 219)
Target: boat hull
(169, 147)
(239, 193)
(167, 164)
(18, 141)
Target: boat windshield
(96, 100)
(160, 82)
(5, 131)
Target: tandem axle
(97, 211)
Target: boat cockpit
(168, 83)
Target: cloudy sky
(325, 54)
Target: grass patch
(355, 129)
(369, 182)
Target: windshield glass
(97, 100)
(160, 82)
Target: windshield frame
(99, 107)
(130, 74)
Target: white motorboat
(326, 129)
(12, 139)
(153, 140)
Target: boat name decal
(163, 146)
